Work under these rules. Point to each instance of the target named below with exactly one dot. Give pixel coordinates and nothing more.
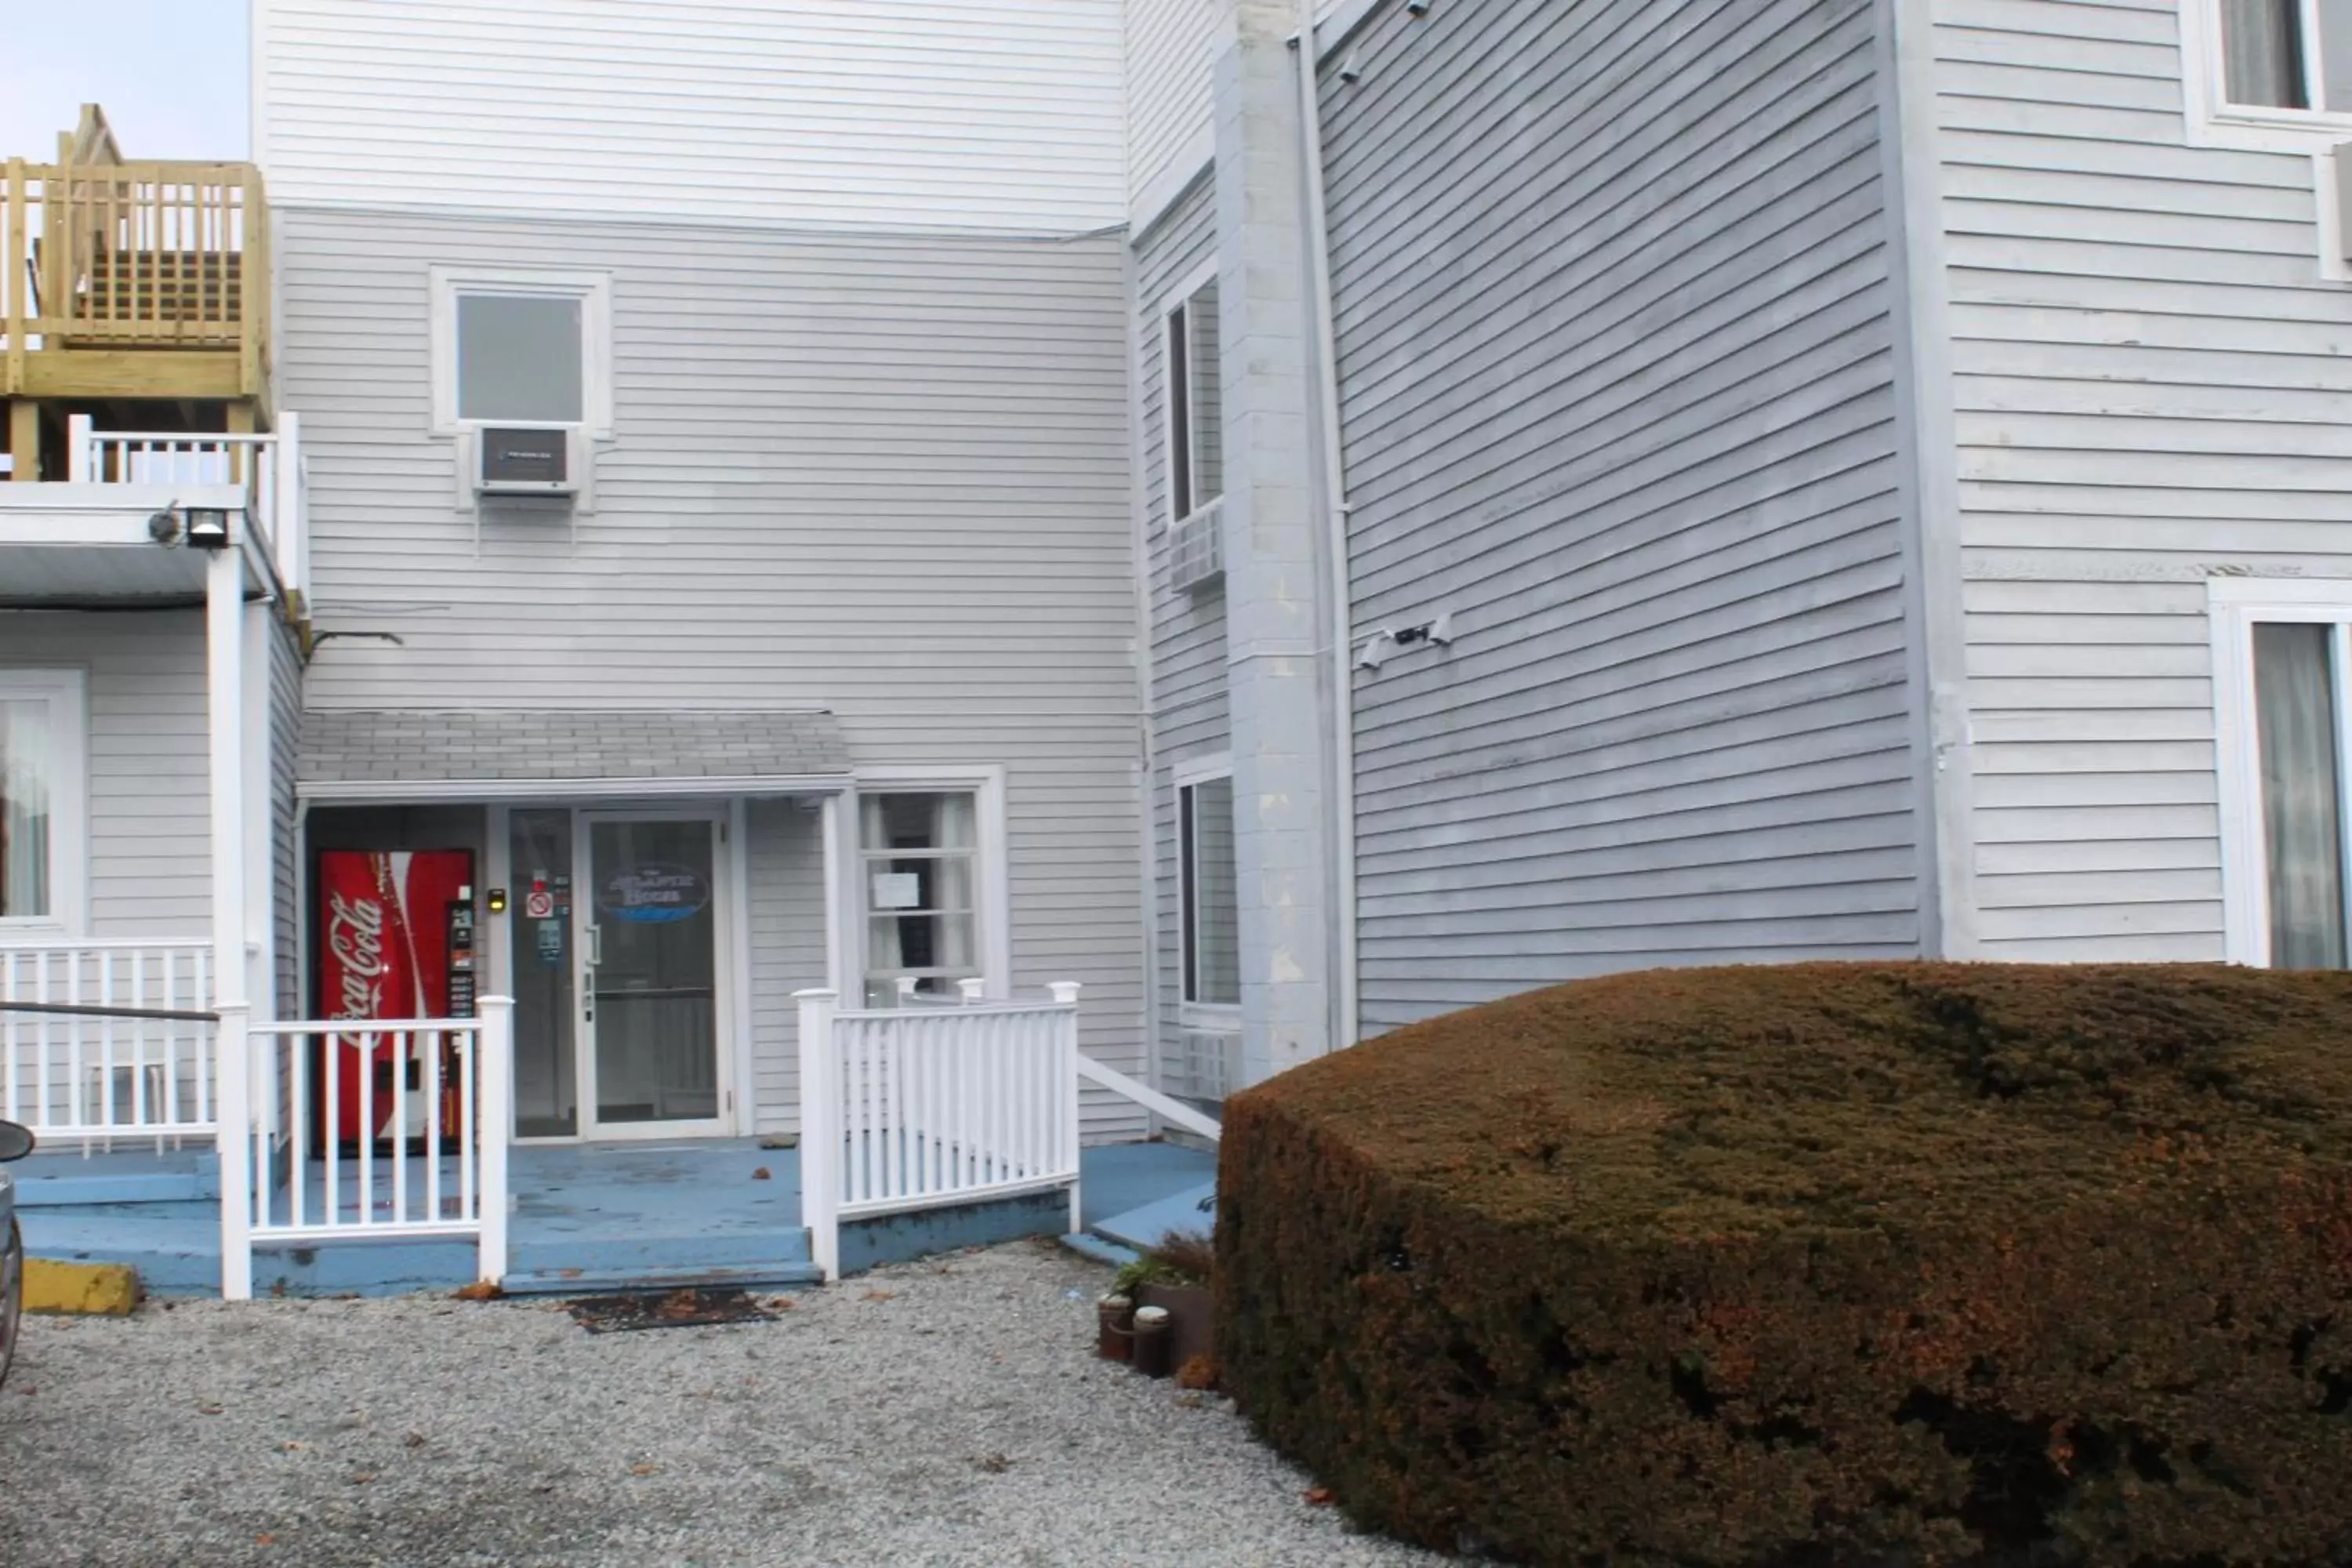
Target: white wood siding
(1190, 706)
(2152, 384)
(1615, 343)
(886, 476)
(149, 774)
(1170, 50)
(992, 114)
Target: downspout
(1342, 632)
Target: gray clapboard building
(1806, 478)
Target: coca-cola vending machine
(396, 941)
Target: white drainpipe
(1335, 491)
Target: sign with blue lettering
(654, 893)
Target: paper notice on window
(898, 890)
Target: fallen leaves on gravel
(645, 1470)
(479, 1291)
(881, 1295)
(1318, 1495)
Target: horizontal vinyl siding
(883, 475)
(1191, 711)
(149, 769)
(1002, 114)
(1616, 358)
(788, 950)
(1169, 53)
(2150, 384)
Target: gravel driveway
(945, 1412)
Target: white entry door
(652, 922)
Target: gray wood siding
(149, 768)
(285, 844)
(1615, 340)
(885, 475)
(2150, 388)
(787, 908)
(1190, 715)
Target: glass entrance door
(648, 974)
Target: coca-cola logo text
(355, 936)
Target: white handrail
(395, 1162)
(96, 1078)
(906, 1109)
(269, 465)
(1151, 1098)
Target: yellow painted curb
(80, 1289)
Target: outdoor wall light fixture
(207, 528)
(1384, 644)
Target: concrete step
(175, 1247)
(531, 1250)
(600, 1282)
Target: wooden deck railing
(136, 256)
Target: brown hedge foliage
(1814, 1265)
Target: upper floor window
(40, 797)
(521, 347)
(1195, 400)
(2287, 54)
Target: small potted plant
(1176, 1275)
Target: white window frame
(2235, 606)
(1184, 775)
(2215, 122)
(66, 692)
(1176, 397)
(991, 897)
(593, 289)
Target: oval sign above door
(654, 891)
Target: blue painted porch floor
(585, 1217)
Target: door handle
(595, 935)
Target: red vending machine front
(396, 941)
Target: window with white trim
(919, 880)
(1195, 404)
(2283, 666)
(2286, 54)
(41, 798)
(516, 348)
(1209, 891)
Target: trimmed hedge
(1817, 1264)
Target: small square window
(520, 358)
(521, 348)
(920, 874)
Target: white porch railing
(95, 1076)
(269, 466)
(910, 1109)
(411, 1119)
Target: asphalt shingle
(365, 746)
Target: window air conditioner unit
(521, 460)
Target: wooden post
(233, 1104)
(24, 439)
(820, 1132)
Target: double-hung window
(1208, 889)
(41, 799)
(517, 348)
(2283, 664)
(919, 860)
(1195, 401)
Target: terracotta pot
(1191, 1320)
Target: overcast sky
(171, 73)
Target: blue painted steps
(1135, 1194)
(62, 1177)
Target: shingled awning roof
(416, 754)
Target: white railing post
(77, 450)
(233, 1107)
(820, 1130)
(494, 1128)
(1065, 994)
(973, 991)
(285, 518)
